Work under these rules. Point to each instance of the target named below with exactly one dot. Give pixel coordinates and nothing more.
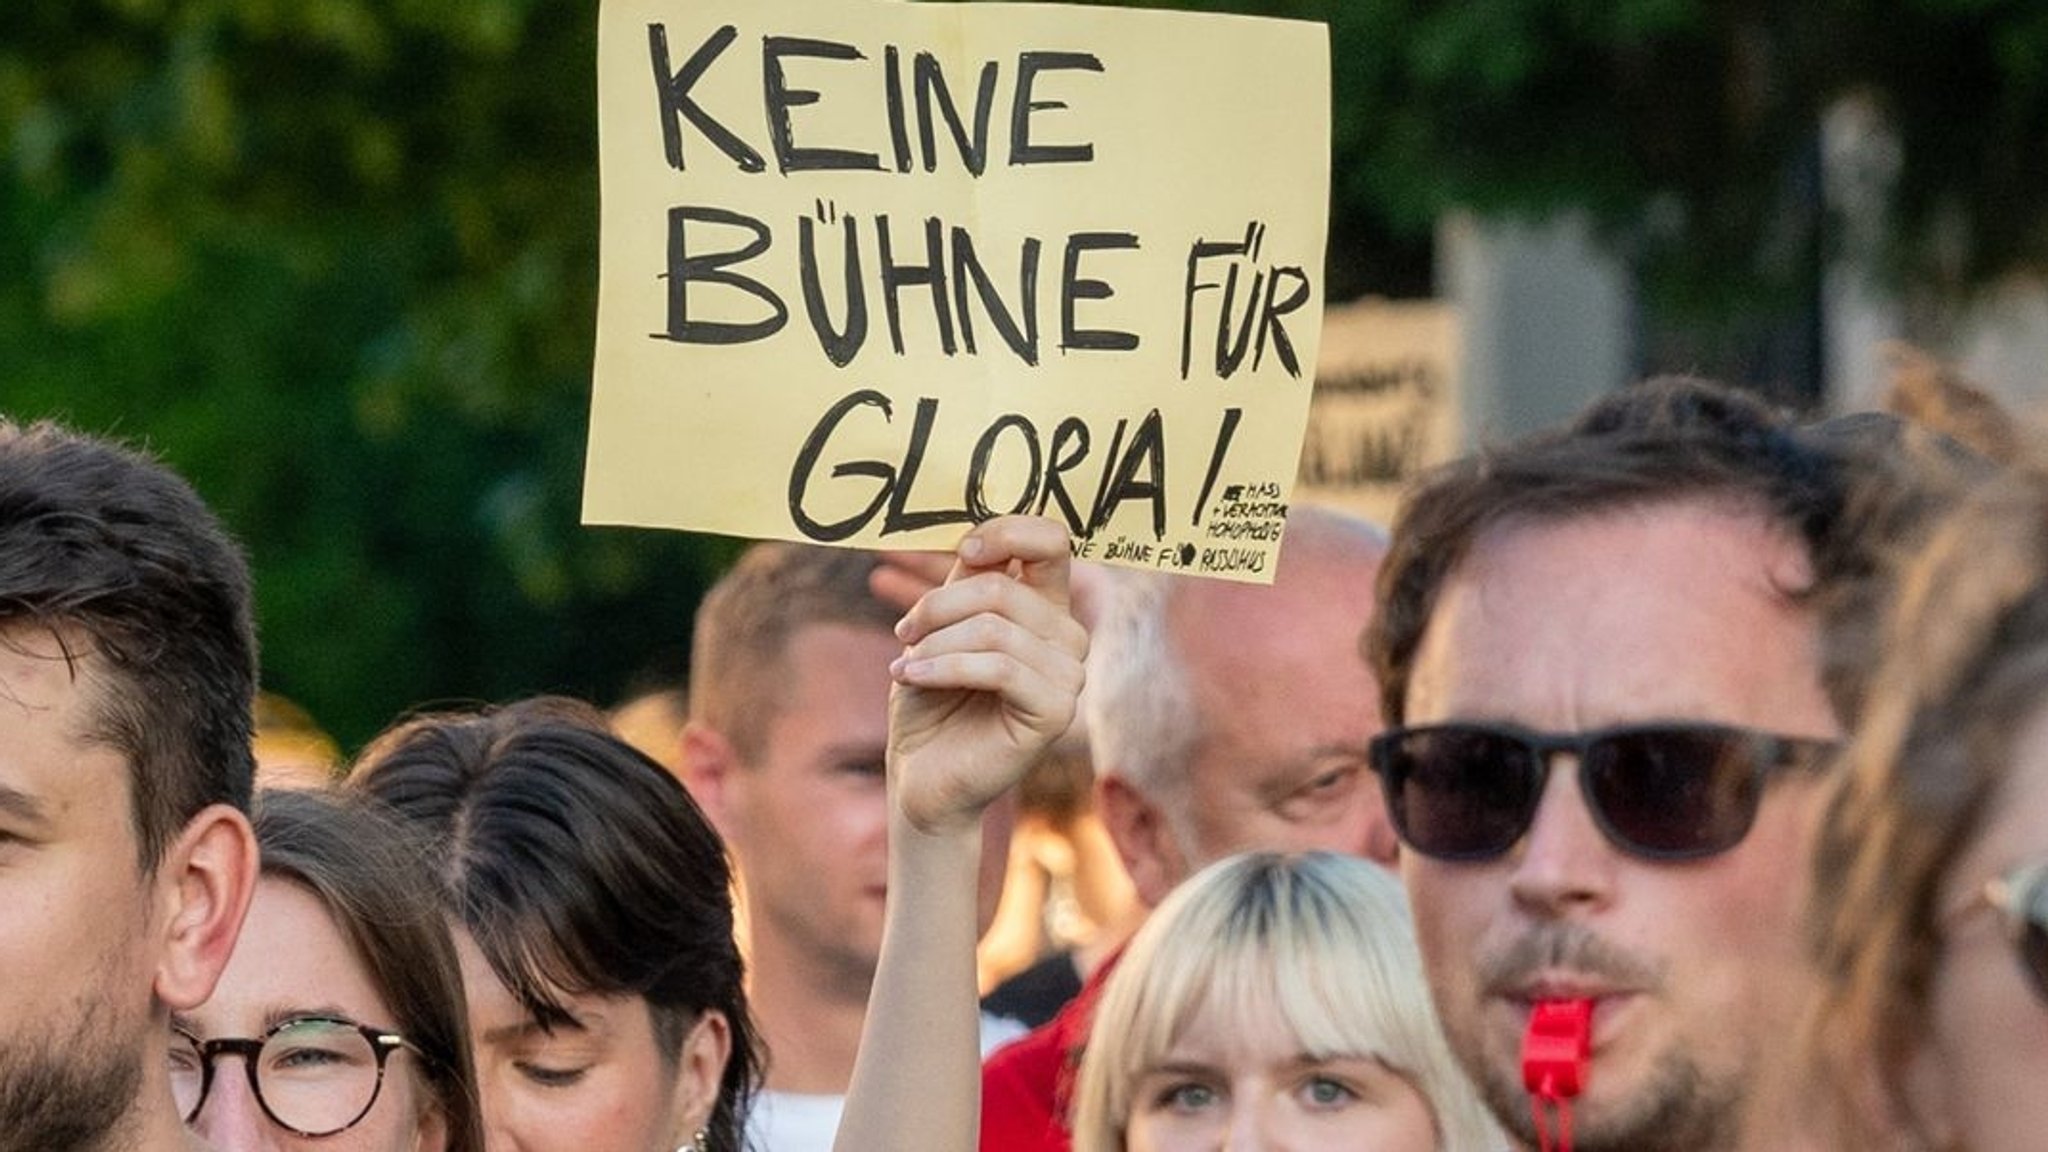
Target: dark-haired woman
(592, 910)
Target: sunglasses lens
(1458, 793)
(1674, 793)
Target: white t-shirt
(791, 1122)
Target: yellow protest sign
(874, 271)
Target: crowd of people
(1676, 779)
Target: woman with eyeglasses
(1282, 998)
(1931, 915)
(592, 911)
(338, 1024)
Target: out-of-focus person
(1067, 901)
(652, 721)
(1931, 877)
(292, 751)
(785, 748)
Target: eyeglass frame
(1775, 753)
(383, 1042)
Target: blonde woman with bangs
(1275, 1001)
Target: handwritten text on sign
(876, 271)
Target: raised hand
(989, 676)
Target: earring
(701, 1142)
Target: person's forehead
(840, 657)
(1263, 653)
(292, 959)
(1278, 684)
(47, 758)
(1677, 610)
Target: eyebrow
(22, 806)
(280, 1013)
(1179, 1068)
(1312, 763)
(854, 752)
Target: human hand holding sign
(989, 677)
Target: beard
(67, 1094)
(1677, 1109)
(1678, 1106)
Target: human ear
(1143, 840)
(700, 1073)
(709, 762)
(203, 886)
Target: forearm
(917, 1079)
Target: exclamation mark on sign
(1223, 436)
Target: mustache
(1573, 948)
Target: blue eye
(1324, 1092)
(1187, 1097)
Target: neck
(809, 1014)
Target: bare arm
(987, 681)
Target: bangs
(528, 955)
(1308, 944)
(1341, 988)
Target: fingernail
(971, 548)
(903, 628)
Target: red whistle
(1557, 1047)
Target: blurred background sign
(1389, 403)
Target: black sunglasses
(1661, 791)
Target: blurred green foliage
(336, 259)
(1688, 129)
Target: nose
(1564, 864)
(1373, 835)
(231, 1120)
(1247, 1131)
(498, 1137)
(500, 1130)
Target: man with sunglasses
(127, 675)
(1600, 656)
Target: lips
(1609, 1001)
(1563, 986)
